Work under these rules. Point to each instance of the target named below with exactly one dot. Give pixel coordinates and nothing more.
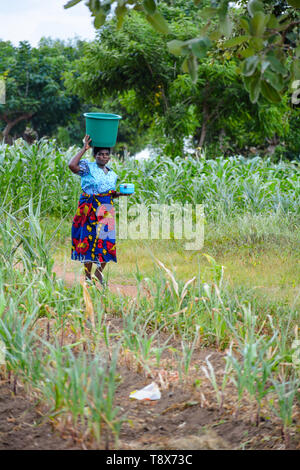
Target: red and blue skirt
(93, 229)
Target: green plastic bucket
(102, 128)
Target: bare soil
(180, 420)
(22, 427)
(70, 278)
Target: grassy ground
(266, 266)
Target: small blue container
(126, 188)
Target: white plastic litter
(2, 353)
(151, 392)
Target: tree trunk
(11, 124)
(207, 116)
(204, 125)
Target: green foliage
(30, 171)
(225, 186)
(192, 83)
(224, 119)
(265, 30)
(128, 70)
(34, 88)
(132, 71)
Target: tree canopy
(264, 36)
(134, 66)
(34, 86)
(178, 71)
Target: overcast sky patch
(32, 19)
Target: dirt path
(70, 278)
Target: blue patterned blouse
(94, 180)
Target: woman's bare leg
(98, 272)
(88, 271)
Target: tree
(263, 36)
(130, 70)
(223, 118)
(34, 88)
(134, 69)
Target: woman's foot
(89, 282)
(101, 282)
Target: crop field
(216, 329)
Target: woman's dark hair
(97, 149)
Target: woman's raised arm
(73, 163)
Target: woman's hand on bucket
(87, 141)
(119, 194)
(73, 163)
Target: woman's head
(101, 154)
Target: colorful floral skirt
(93, 229)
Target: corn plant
(174, 287)
(255, 363)
(211, 376)
(286, 391)
(83, 386)
(188, 350)
(159, 349)
(102, 390)
(18, 334)
(138, 340)
(223, 185)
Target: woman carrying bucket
(93, 228)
